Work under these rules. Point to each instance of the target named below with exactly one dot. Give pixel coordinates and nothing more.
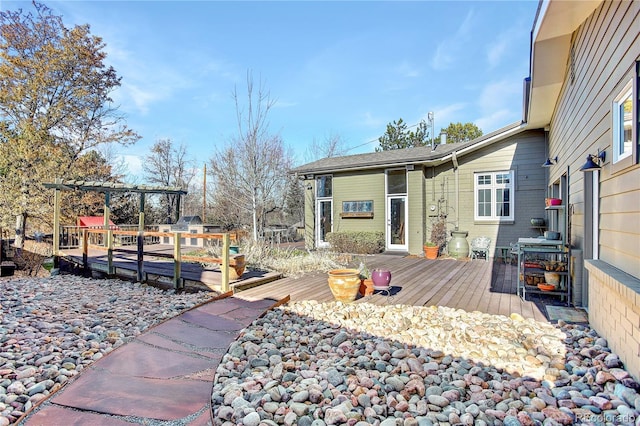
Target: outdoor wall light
(550, 162)
(309, 187)
(594, 162)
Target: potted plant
(438, 238)
(366, 283)
(431, 250)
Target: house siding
(524, 154)
(359, 187)
(416, 206)
(605, 49)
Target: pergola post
(177, 261)
(56, 225)
(107, 209)
(177, 208)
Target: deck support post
(140, 257)
(110, 267)
(177, 261)
(85, 251)
(225, 263)
(56, 225)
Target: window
(397, 181)
(624, 127)
(324, 186)
(494, 196)
(623, 123)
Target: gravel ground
(319, 364)
(52, 328)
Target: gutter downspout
(454, 159)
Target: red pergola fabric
(94, 222)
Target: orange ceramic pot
(344, 284)
(366, 287)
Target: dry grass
(290, 262)
(29, 259)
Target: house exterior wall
(523, 153)
(361, 186)
(436, 186)
(605, 50)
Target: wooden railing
(104, 239)
(71, 236)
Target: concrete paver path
(164, 375)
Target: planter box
(7, 268)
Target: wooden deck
(159, 270)
(472, 285)
(469, 285)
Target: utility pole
(431, 124)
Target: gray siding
(605, 48)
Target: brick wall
(614, 311)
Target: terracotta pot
(431, 252)
(366, 287)
(381, 278)
(235, 272)
(344, 284)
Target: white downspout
(454, 159)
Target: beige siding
(606, 47)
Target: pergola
(107, 188)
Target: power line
(376, 140)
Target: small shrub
(370, 242)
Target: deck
(471, 285)
(462, 284)
(159, 270)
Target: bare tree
(168, 165)
(331, 146)
(250, 173)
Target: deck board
(471, 285)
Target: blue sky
(334, 67)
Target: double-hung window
(623, 123)
(626, 117)
(494, 196)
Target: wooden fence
(104, 239)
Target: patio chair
(515, 247)
(480, 247)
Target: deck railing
(111, 241)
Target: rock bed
(52, 328)
(313, 363)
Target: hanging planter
(344, 284)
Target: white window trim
(494, 186)
(615, 127)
